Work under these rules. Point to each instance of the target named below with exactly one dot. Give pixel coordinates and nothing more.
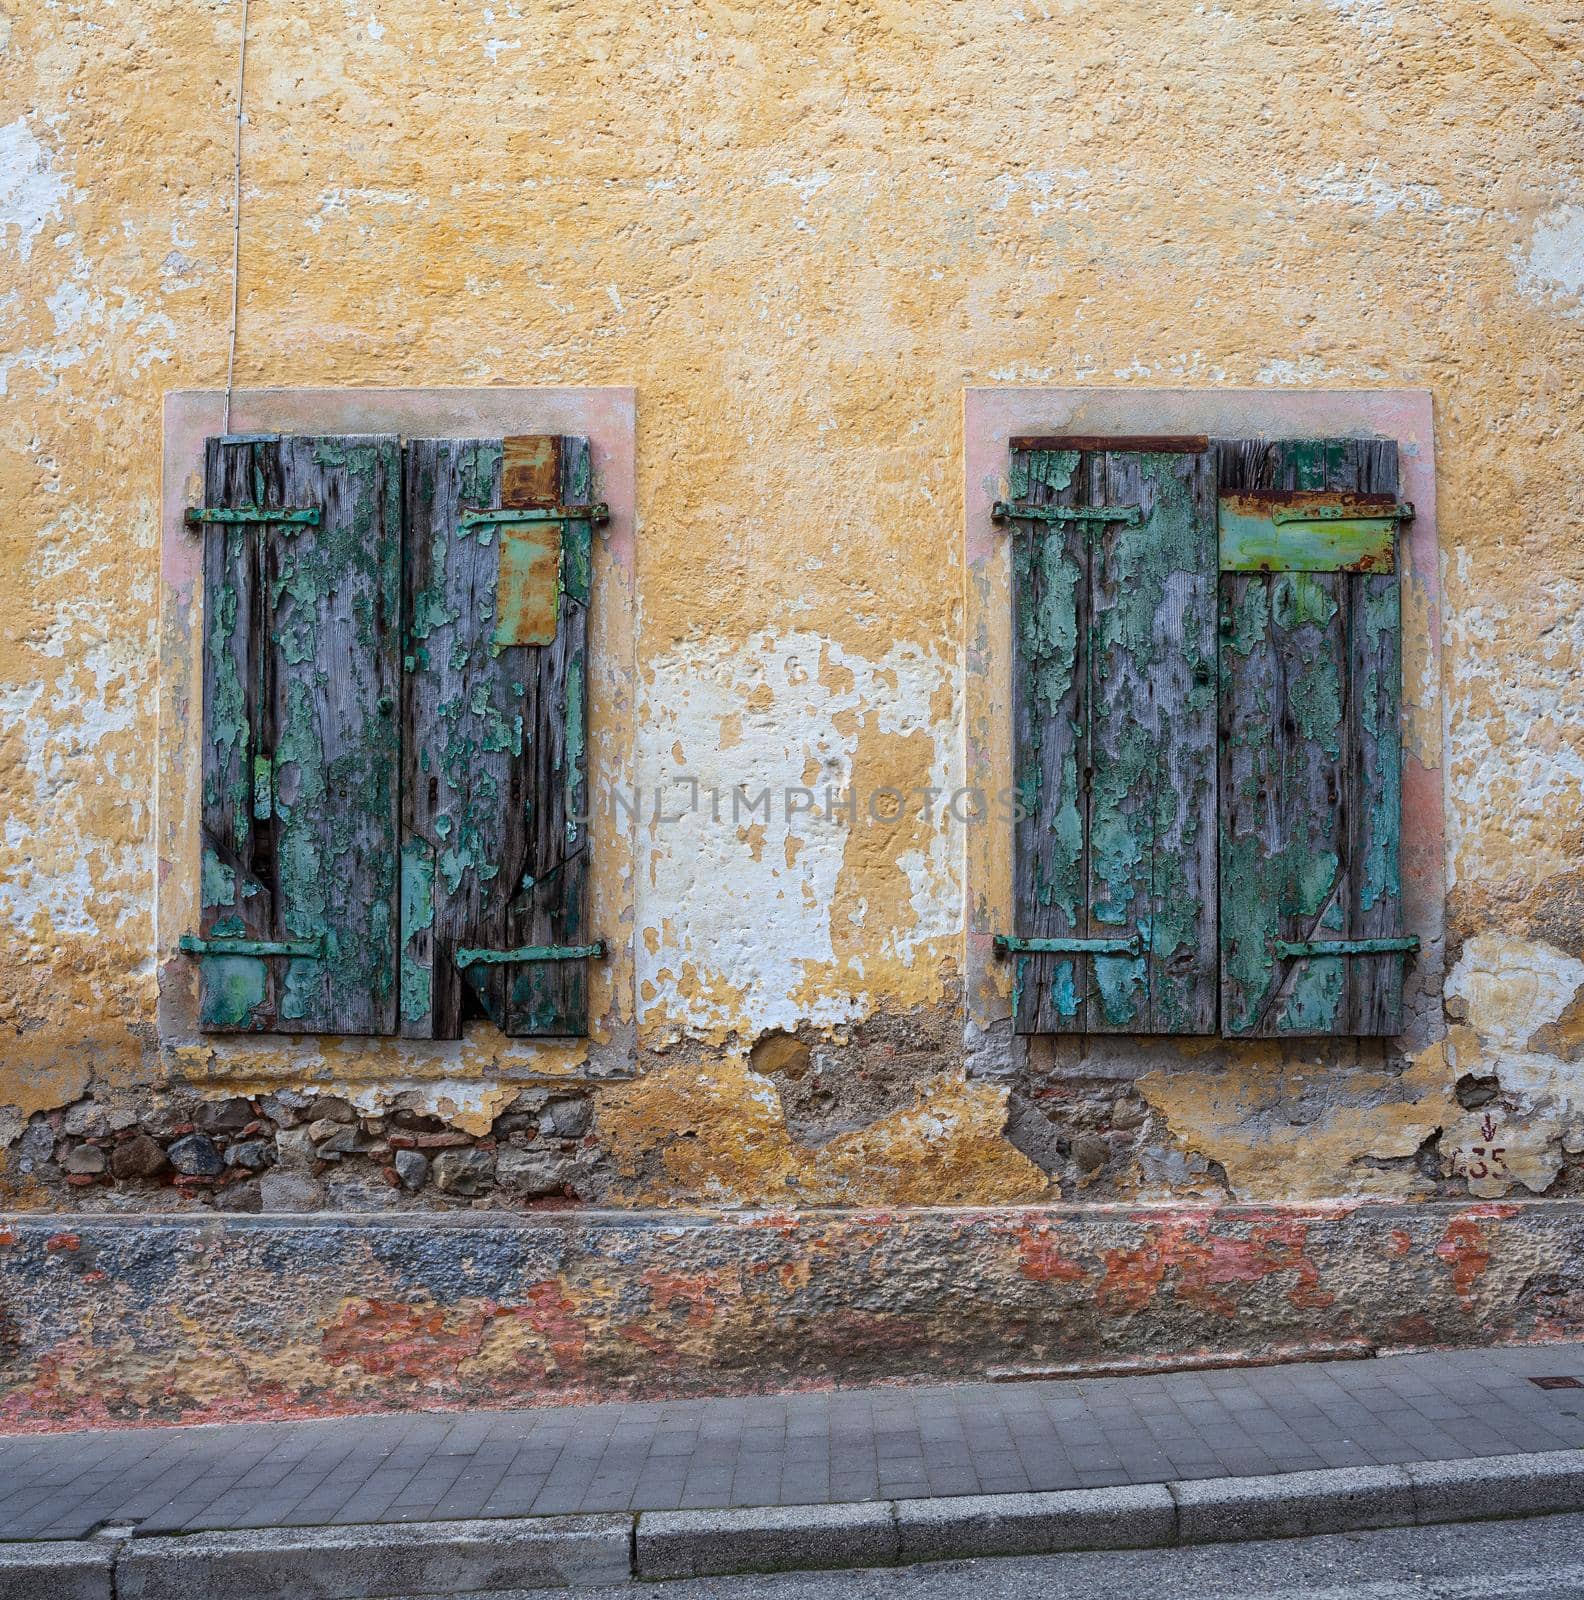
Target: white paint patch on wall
(31, 191)
(737, 900)
(1379, 194)
(1368, 16)
(1512, 987)
(1552, 268)
(70, 737)
(1311, 369)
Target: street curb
(414, 1561)
(363, 1561)
(1294, 1505)
(1131, 1516)
(706, 1544)
(66, 1569)
(1498, 1486)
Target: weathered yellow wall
(800, 230)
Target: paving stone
(959, 1439)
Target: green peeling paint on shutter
(494, 844)
(1310, 766)
(300, 736)
(1114, 705)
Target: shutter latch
(1302, 949)
(1124, 945)
(534, 952)
(483, 516)
(1016, 511)
(302, 517)
(298, 949)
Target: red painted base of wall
(174, 1319)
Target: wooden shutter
(300, 741)
(494, 832)
(1311, 682)
(1114, 727)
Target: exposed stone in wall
(294, 1150)
(884, 1110)
(872, 1070)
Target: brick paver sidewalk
(841, 1445)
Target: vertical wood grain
(1310, 785)
(301, 738)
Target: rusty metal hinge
(301, 517)
(1125, 945)
(533, 952)
(1354, 511)
(483, 516)
(1013, 511)
(297, 949)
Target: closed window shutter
(301, 676)
(1114, 730)
(1310, 774)
(494, 829)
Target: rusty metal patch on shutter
(528, 595)
(1309, 530)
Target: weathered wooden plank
(300, 783)
(1115, 733)
(1375, 651)
(1152, 830)
(550, 998)
(1309, 803)
(1050, 710)
(492, 823)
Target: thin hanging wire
(236, 216)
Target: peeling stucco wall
(798, 232)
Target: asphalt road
(1541, 1558)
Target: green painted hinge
(1295, 949)
(303, 517)
(1128, 945)
(298, 949)
(482, 516)
(1008, 511)
(532, 952)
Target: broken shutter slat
(300, 763)
(1114, 728)
(1311, 679)
(493, 852)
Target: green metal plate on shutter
(300, 738)
(1310, 768)
(1298, 530)
(1114, 733)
